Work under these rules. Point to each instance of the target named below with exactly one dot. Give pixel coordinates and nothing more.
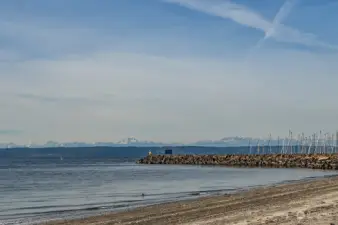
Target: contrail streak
(247, 17)
(281, 15)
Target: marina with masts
(317, 151)
(318, 143)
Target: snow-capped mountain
(128, 141)
(133, 141)
(239, 141)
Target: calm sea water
(38, 186)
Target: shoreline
(294, 202)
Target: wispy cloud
(69, 99)
(56, 77)
(250, 18)
(41, 38)
(73, 100)
(10, 132)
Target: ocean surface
(44, 184)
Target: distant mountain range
(132, 141)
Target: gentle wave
(113, 204)
(42, 189)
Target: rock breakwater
(315, 161)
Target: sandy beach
(305, 202)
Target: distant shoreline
(144, 146)
(119, 146)
(296, 202)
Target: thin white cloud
(40, 38)
(228, 10)
(109, 96)
(6, 55)
(250, 18)
(9, 132)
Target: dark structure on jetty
(311, 161)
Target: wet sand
(305, 202)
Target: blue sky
(166, 70)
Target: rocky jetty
(314, 161)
